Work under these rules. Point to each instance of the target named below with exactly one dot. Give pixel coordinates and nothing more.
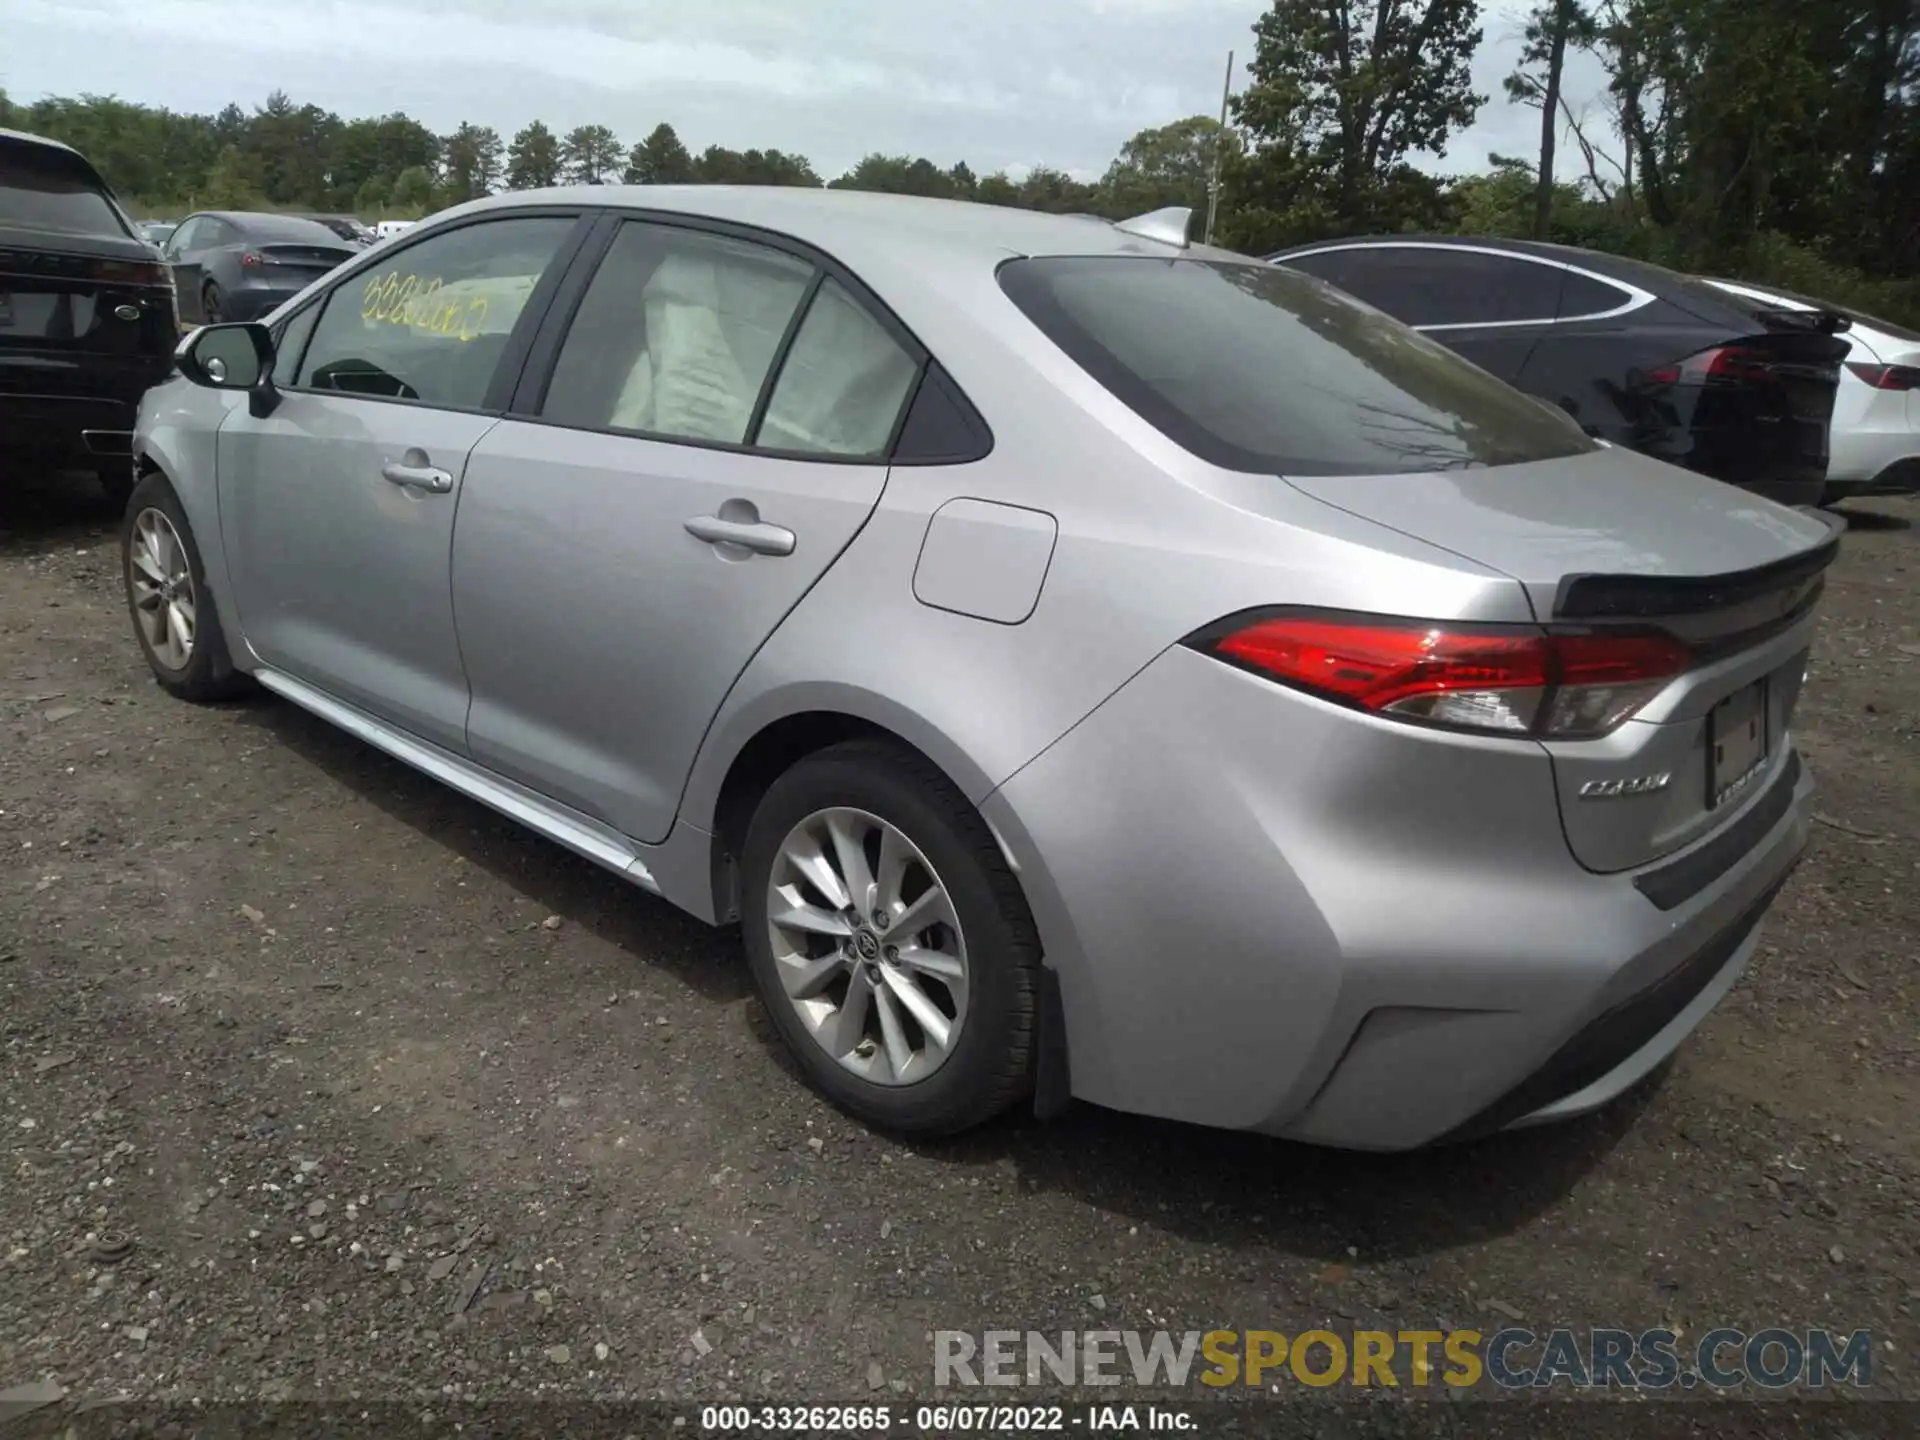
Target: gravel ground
(388, 1100)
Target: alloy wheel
(163, 593)
(868, 946)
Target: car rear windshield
(1254, 367)
(42, 189)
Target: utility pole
(1219, 139)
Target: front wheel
(889, 940)
(167, 596)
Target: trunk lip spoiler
(1600, 596)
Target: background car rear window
(47, 192)
(431, 322)
(1255, 368)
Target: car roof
(265, 223)
(853, 223)
(1639, 272)
(66, 153)
(23, 137)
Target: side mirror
(232, 357)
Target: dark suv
(1640, 356)
(87, 319)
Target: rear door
(712, 432)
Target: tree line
(1773, 139)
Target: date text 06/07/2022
(943, 1419)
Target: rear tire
(904, 806)
(161, 569)
(210, 302)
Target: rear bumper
(1900, 478)
(1273, 914)
(255, 298)
(75, 428)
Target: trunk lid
(310, 261)
(1617, 539)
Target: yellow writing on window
(417, 303)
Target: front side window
(1257, 368)
(431, 322)
(181, 239)
(676, 335)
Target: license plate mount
(1736, 743)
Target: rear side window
(1255, 368)
(1438, 285)
(45, 190)
(676, 335)
(1582, 296)
(842, 384)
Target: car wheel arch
(774, 748)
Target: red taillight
(131, 272)
(251, 261)
(1887, 377)
(1723, 362)
(1501, 679)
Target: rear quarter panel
(1586, 369)
(1151, 545)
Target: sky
(1001, 84)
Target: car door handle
(430, 478)
(754, 535)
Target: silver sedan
(1084, 663)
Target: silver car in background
(1085, 664)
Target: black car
(238, 265)
(1640, 356)
(86, 315)
(346, 227)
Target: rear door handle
(754, 535)
(430, 478)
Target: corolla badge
(1619, 789)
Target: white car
(386, 229)
(1874, 441)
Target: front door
(622, 555)
(337, 509)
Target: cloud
(998, 83)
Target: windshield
(1254, 367)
